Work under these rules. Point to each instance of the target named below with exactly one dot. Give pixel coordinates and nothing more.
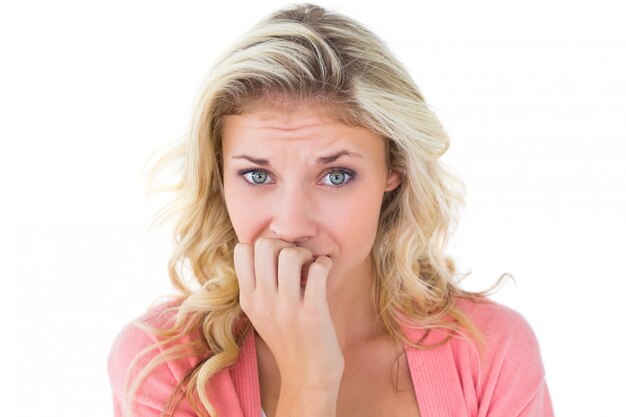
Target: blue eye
(339, 177)
(257, 176)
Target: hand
(295, 323)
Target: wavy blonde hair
(307, 53)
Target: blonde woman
(313, 215)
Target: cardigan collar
(427, 367)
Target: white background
(531, 92)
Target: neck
(352, 308)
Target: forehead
(305, 126)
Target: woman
(313, 213)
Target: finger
(266, 263)
(315, 291)
(290, 271)
(243, 255)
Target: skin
(297, 218)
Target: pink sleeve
(511, 379)
(157, 387)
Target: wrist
(326, 383)
(307, 400)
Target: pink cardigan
(448, 381)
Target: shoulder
(502, 331)
(506, 362)
(133, 352)
(134, 338)
(497, 323)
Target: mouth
(305, 269)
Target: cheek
(243, 224)
(356, 223)
(241, 211)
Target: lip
(307, 264)
(305, 271)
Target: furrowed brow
(332, 158)
(262, 162)
(323, 160)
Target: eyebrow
(322, 160)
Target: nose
(293, 218)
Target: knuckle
(322, 263)
(266, 244)
(302, 253)
(289, 252)
(316, 268)
(263, 243)
(240, 249)
(306, 252)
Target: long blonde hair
(301, 53)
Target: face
(309, 179)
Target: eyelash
(351, 175)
